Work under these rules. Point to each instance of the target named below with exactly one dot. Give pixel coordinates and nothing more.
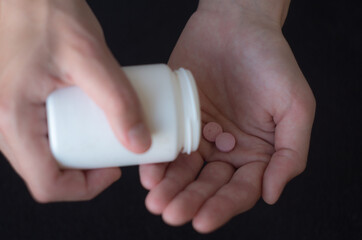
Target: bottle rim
(191, 109)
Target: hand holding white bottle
(44, 46)
(80, 136)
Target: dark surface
(322, 203)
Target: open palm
(250, 83)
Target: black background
(322, 203)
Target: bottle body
(81, 137)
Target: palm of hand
(250, 85)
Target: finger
(292, 137)
(30, 151)
(178, 175)
(239, 195)
(93, 68)
(152, 174)
(48, 184)
(186, 204)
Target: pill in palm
(211, 130)
(225, 142)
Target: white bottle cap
(191, 110)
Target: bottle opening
(191, 109)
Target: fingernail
(139, 138)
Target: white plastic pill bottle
(81, 137)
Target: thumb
(97, 73)
(292, 138)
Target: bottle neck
(190, 109)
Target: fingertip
(107, 85)
(209, 218)
(153, 205)
(172, 219)
(103, 178)
(283, 167)
(151, 174)
(202, 226)
(117, 173)
(139, 138)
(147, 183)
(271, 189)
(271, 197)
(179, 211)
(273, 185)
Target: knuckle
(116, 104)
(10, 96)
(40, 198)
(292, 161)
(86, 46)
(88, 196)
(43, 194)
(302, 165)
(121, 103)
(297, 163)
(300, 168)
(313, 102)
(5, 114)
(307, 105)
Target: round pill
(225, 142)
(211, 131)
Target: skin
(250, 83)
(51, 44)
(248, 79)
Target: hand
(250, 83)
(50, 44)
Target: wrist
(274, 11)
(11, 10)
(33, 7)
